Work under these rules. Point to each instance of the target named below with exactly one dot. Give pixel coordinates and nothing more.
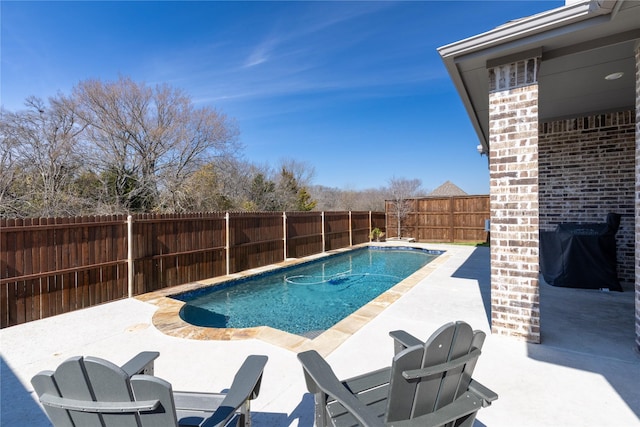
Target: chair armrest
(486, 394)
(245, 387)
(97, 407)
(403, 340)
(142, 363)
(247, 381)
(442, 367)
(320, 377)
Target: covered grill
(581, 255)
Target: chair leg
(245, 414)
(466, 421)
(320, 409)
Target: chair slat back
(90, 380)
(43, 384)
(107, 382)
(459, 345)
(148, 388)
(401, 396)
(437, 350)
(412, 398)
(467, 374)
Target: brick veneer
(587, 169)
(513, 160)
(637, 263)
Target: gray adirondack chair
(88, 391)
(428, 384)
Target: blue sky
(355, 89)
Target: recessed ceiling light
(614, 76)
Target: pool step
(313, 334)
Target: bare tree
(231, 184)
(334, 199)
(348, 199)
(148, 141)
(302, 172)
(328, 197)
(41, 145)
(292, 179)
(400, 191)
(9, 169)
(201, 191)
(126, 147)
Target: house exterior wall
(637, 264)
(586, 170)
(513, 174)
(543, 174)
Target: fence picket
(442, 219)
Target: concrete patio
(585, 372)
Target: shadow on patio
(591, 330)
(17, 403)
(584, 329)
(476, 267)
(18, 406)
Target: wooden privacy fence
(441, 219)
(50, 266)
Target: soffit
(576, 56)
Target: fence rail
(50, 266)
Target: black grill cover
(581, 255)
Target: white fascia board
(529, 26)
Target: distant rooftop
(447, 189)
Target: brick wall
(637, 258)
(513, 160)
(587, 169)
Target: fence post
(227, 245)
(370, 224)
(284, 233)
(130, 256)
(350, 230)
(386, 220)
(452, 217)
(323, 237)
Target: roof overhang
(579, 44)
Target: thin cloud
(318, 52)
(262, 53)
(307, 26)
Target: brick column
(513, 160)
(637, 216)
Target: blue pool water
(307, 298)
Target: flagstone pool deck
(584, 373)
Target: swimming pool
(308, 298)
